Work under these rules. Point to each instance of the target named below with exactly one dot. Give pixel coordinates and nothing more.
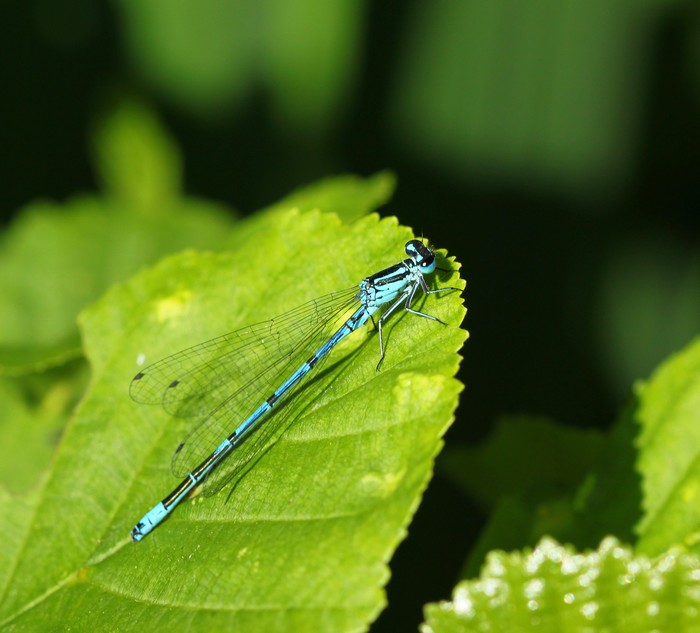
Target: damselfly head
(421, 254)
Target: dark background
(553, 150)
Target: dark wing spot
(138, 376)
(174, 383)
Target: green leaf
(136, 159)
(303, 542)
(554, 589)
(16, 513)
(669, 453)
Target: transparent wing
(199, 444)
(219, 383)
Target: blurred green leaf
(311, 50)
(554, 589)
(209, 54)
(669, 453)
(137, 161)
(535, 93)
(198, 53)
(303, 543)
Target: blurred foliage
(208, 55)
(539, 94)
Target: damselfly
(266, 362)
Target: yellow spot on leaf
(382, 485)
(690, 492)
(173, 306)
